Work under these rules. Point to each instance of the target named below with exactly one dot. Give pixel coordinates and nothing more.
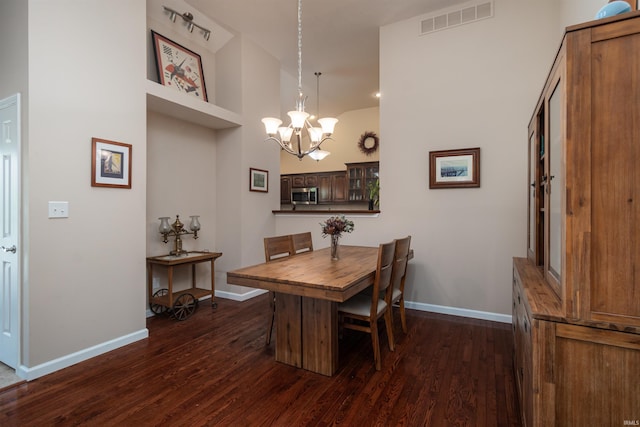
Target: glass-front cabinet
(546, 186)
(360, 176)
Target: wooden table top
(189, 257)
(314, 274)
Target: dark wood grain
(313, 274)
(213, 369)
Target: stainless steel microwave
(304, 196)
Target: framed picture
(178, 67)
(258, 180)
(110, 164)
(454, 168)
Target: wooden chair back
(384, 273)
(400, 263)
(302, 242)
(362, 311)
(278, 247)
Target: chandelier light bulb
(328, 124)
(271, 125)
(285, 133)
(298, 119)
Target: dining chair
(398, 277)
(275, 248)
(302, 242)
(362, 311)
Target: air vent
(457, 17)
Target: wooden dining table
(308, 288)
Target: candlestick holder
(177, 229)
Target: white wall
(85, 275)
(181, 181)
(243, 216)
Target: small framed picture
(110, 164)
(258, 180)
(178, 67)
(454, 168)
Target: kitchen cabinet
(331, 186)
(304, 180)
(576, 297)
(359, 176)
(285, 189)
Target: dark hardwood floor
(214, 369)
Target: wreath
(368, 143)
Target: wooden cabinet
(569, 373)
(339, 187)
(332, 187)
(359, 176)
(584, 203)
(577, 295)
(304, 180)
(285, 189)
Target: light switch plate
(58, 209)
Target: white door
(9, 230)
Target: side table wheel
(184, 306)
(214, 305)
(159, 308)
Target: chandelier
(299, 119)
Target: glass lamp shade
(164, 225)
(328, 124)
(285, 133)
(298, 118)
(195, 224)
(315, 134)
(319, 155)
(271, 125)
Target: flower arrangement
(336, 225)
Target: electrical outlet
(58, 209)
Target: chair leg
(388, 321)
(376, 344)
(272, 306)
(403, 316)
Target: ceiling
(339, 39)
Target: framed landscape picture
(454, 168)
(258, 180)
(110, 164)
(178, 67)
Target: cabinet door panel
(324, 188)
(339, 187)
(615, 244)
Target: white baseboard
(442, 309)
(227, 295)
(462, 312)
(80, 356)
(240, 297)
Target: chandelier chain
(300, 48)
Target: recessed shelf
(164, 100)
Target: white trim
(226, 295)
(240, 297)
(462, 312)
(442, 309)
(79, 356)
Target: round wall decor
(368, 143)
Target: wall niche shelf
(164, 100)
